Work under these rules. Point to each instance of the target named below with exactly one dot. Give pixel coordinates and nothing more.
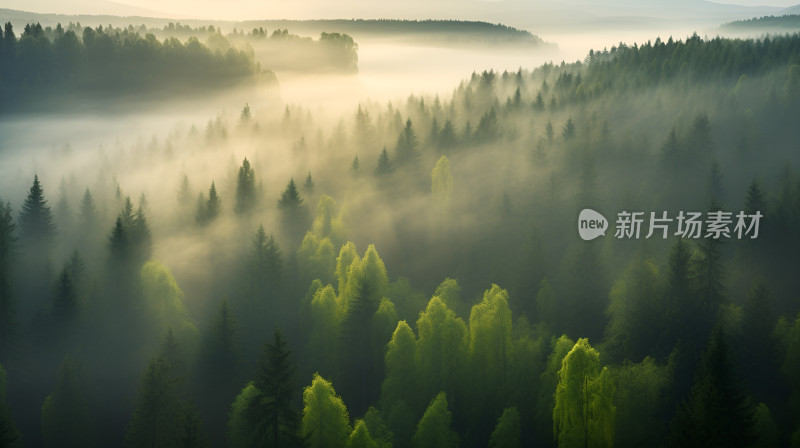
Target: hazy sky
(500, 10)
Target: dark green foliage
(507, 432)
(273, 412)
(308, 186)
(156, 420)
(65, 412)
(718, 411)
(8, 430)
(111, 62)
(406, 148)
(208, 209)
(294, 214)
(8, 311)
(35, 218)
(65, 302)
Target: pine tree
(185, 192)
(273, 413)
(293, 213)
(35, 218)
(8, 319)
(213, 205)
(156, 419)
(355, 167)
(65, 302)
(384, 165)
(406, 148)
(65, 412)
(245, 188)
(309, 185)
(8, 430)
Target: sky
(490, 10)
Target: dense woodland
(410, 275)
(785, 22)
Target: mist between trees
(410, 274)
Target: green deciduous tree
(441, 181)
(402, 368)
(584, 412)
(434, 429)
(507, 432)
(360, 437)
(325, 419)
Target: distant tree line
(44, 62)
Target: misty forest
(397, 272)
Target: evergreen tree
(718, 412)
(65, 412)
(308, 186)
(273, 412)
(293, 213)
(8, 430)
(185, 192)
(355, 167)
(156, 419)
(384, 165)
(245, 188)
(406, 148)
(65, 302)
(8, 312)
(213, 205)
(35, 218)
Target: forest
(786, 22)
(409, 274)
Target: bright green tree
(434, 429)
(584, 412)
(402, 367)
(325, 419)
(441, 181)
(360, 437)
(442, 346)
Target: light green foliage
(490, 338)
(402, 367)
(433, 430)
(65, 412)
(326, 316)
(640, 389)
(316, 257)
(360, 437)
(584, 412)
(347, 255)
(441, 181)
(377, 429)
(328, 222)
(450, 293)
(163, 300)
(507, 432)
(241, 434)
(442, 345)
(325, 419)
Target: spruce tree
(245, 188)
(35, 218)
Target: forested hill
(92, 63)
(438, 30)
(788, 22)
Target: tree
(213, 205)
(222, 347)
(156, 420)
(35, 218)
(360, 437)
(65, 412)
(384, 165)
(308, 186)
(507, 432)
(185, 192)
(402, 367)
(325, 419)
(65, 302)
(273, 413)
(443, 347)
(8, 312)
(293, 213)
(406, 148)
(641, 389)
(8, 430)
(245, 188)
(717, 412)
(266, 270)
(434, 429)
(441, 181)
(583, 414)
